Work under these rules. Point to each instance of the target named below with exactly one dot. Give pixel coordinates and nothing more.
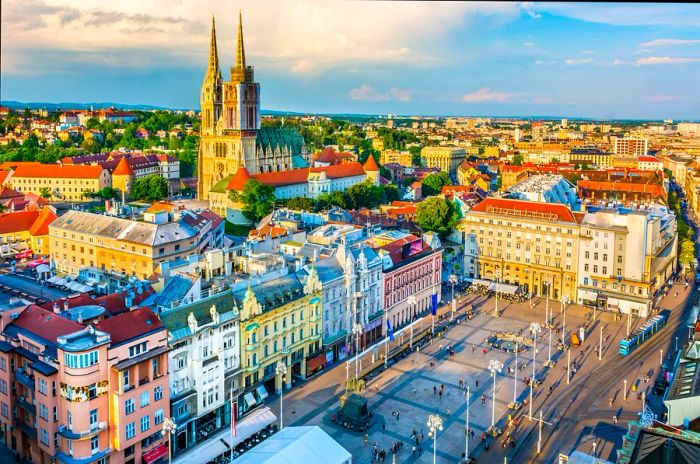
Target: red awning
(316, 363)
(155, 454)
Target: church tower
(230, 112)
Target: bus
(643, 333)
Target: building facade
(445, 158)
(630, 146)
(61, 182)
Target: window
(129, 406)
(55, 414)
(129, 450)
(158, 417)
(3, 386)
(157, 393)
(44, 437)
(93, 418)
(145, 423)
(80, 361)
(145, 398)
(4, 410)
(154, 364)
(95, 444)
(69, 416)
(138, 349)
(125, 380)
(181, 362)
(42, 386)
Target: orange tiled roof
(561, 211)
(19, 221)
(272, 231)
(371, 164)
(239, 179)
(655, 190)
(300, 176)
(123, 168)
(41, 224)
(14, 164)
(59, 172)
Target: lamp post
(169, 428)
(357, 331)
(629, 322)
(568, 366)
(411, 300)
(535, 329)
(661, 357)
(495, 367)
(466, 446)
(453, 280)
(434, 424)
(515, 379)
(600, 348)
(563, 324)
(497, 274)
(281, 370)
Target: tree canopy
(436, 215)
(150, 188)
(518, 159)
(687, 254)
(432, 183)
(258, 199)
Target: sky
(325, 56)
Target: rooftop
(539, 183)
(130, 325)
(525, 209)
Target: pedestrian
(397, 416)
(384, 427)
(440, 394)
(434, 390)
(477, 383)
(615, 419)
(413, 450)
(366, 438)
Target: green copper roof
(220, 187)
(281, 137)
(175, 320)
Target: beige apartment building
(395, 156)
(62, 182)
(445, 158)
(523, 243)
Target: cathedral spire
(240, 51)
(213, 69)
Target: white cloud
(666, 60)
(669, 42)
(587, 52)
(368, 93)
(529, 44)
(485, 94)
(578, 60)
(304, 36)
(620, 62)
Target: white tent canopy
(503, 288)
(297, 445)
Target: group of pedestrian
(395, 415)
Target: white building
(204, 364)
(650, 163)
(630, 146)
(625, 257)
(549, 188)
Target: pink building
(79, 388)
(411, 268)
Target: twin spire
(213, 69)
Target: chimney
(65, 304)
(129, 299)
(56, 307)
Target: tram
(643, 333)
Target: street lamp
(434, 424)
(515, 379)
(453, 280)
(357, 331)
(169, 428)
(466, 446)
(563, 324)
(411, 300)
(281, 370)
(600, 348)
(535, 328)
(495, 367)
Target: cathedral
(231, 136)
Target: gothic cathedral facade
(230, 112)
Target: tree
(301, 204)
(687, 254)
(258, 199)
(518, 159)
(415, 156)
(364, 195)
(45, 193)
(390, 192)
(436, 215)
(432, 183)
(150, 188)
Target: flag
(389, 330)
(434, 301)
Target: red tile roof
(131, 325)
(300, 176)
(19, 221)
(649, 159)
(59, 172)
(7, 192)
(14, 164)
(115, 303)
(123, 169)
(656, 190)
(45, 324)
(239, 179)
(371, 164)
(527, 208)
(329, 155)
(41, 225)
(272, 231)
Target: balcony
(25, 379)
(24, 404)
(26, 428)
(143, 381)
(68, 459)
(69, 434)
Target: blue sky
(527, 59)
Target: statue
(192, 322)
(214, 314)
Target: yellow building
(602, 160)
(67, 182)
(133, 248)
(491, 151)
(511, 175)
(403, 158)
(280, 323)
(445, 158)
(123, 176)
(692, 190)
(625, 162)
(523, 243)
(26, 230)
(468, 175)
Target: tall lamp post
(434, 424)
(453, 280)
(411, 300)
(281, 370)
(564, 303)
(495, 367)
(515, 379)
(357, 331)
(535, 328)
(466, 446)
(497, 274)
(169, 428)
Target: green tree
(518, 159)
(258, 199)
(390, 192)
(45, 193)
(436, 215)
(432, 183)
(301, 204)
(150, 188)
(415, 156)
(687, 254)
(364, 195)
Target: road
(19, 283)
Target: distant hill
(77, 106)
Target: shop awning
(43, 269)
(250, 399)
(155, 454)
(316, 362)
(503, 288)
(482, 282)
(262, 393)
